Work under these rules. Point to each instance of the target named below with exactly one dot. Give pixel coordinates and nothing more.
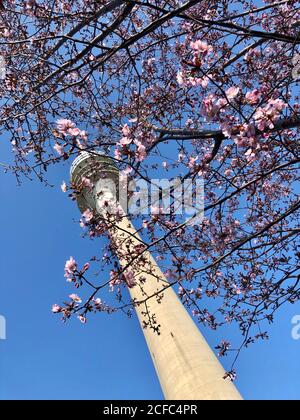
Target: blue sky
(107, 358)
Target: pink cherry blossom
(83, 135)
(210, 108)
(118, 154)
(75, 298)
(247, 136)
(98, 301)
(126, 130)
(56, 309)
(204, 82)
(64, 125)
(250, 155)
(197, 81)
(252, 98)
(70, 269)
(86, 267)
(278, 104)
(180, 78)
(130, 279)
(201, 47)
(232, 93)
(141, 152)
(74, 131)
(187, 80)
(64, 187)
(86, 182)
(59, 149)
(125, 141)
(192, 162)
(265, 117)
(82, 319)
(114, 280)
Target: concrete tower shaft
(186, 366)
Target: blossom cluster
(67, 128)
(139, 137)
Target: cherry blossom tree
(200, 88)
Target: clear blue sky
(107, 358)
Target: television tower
(186, 366)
